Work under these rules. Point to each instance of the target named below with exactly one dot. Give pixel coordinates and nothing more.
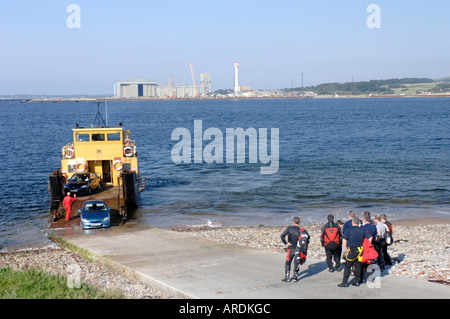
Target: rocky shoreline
(421, 250)
(59, 261)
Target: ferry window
(114, 136)
(83, 137)
(98, 137)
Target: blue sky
(275, 41)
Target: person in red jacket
(67, 202)
(331, 239)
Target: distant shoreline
(109, 99)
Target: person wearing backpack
(380, 241)
(331, 240)
(389, 239)
(352, 244)
(296, 246)
(372, 230)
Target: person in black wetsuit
(293, 235)
(330, 238)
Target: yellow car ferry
(107, 158)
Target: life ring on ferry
(68, 152)
(128, 151)
(118, 168)
(81, 167)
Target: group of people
(359, 242)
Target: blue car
(95, 214)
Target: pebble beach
(421, 250)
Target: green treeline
(373, 86)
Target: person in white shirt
(380, 241)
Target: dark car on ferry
(82, 184)
(95, 214)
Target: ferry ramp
(187, 266)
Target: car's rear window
(78, 178)
(90, 207)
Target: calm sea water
(383, 155)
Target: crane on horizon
(193, 79)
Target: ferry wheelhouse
(104, 151)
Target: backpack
(331, 238)
(302, 246)
(388, 236)
(369, 255)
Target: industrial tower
(205, 83)
(236, 77)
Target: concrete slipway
(186, 266)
